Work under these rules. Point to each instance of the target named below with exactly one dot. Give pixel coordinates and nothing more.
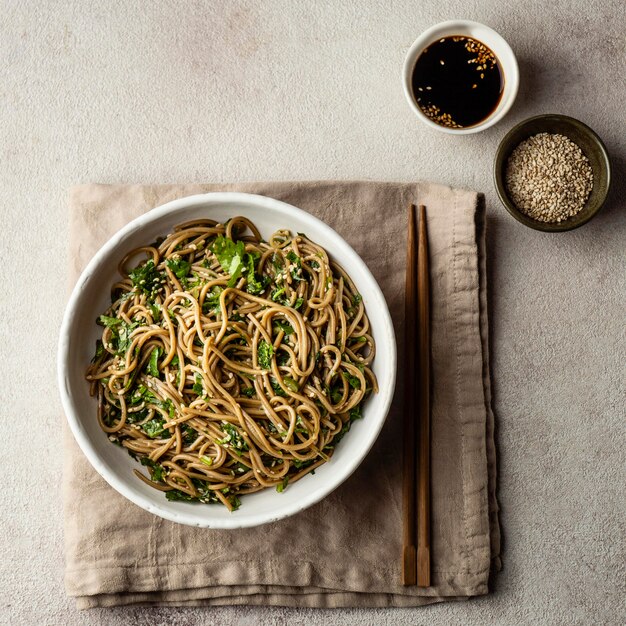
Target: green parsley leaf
(298, 303)
(153, 363)
(291, 384)
(124, 339)
(277, 296)
(264, 354)
(178, 266)
(233, 438)
(146, 278)
(155, 311)
(99, 350)
(230, 255)
(278, 390)
(198, 388)
(189, 435)
(120, 332)
(212, 300)
(353, 381)
(179, 496)
(207, 460)
(277, 261)
(157, 471)
(110, 322)
(296, 270)
(154, 428)
(255, 284)
(355, 413)
(281, 486)
(286, 327)
(248, 391)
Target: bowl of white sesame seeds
(552, 173)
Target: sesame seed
(548, 177)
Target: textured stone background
(232, 90)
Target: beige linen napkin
(344, 551)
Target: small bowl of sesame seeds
(552, 173)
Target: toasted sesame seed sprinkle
(548, 177)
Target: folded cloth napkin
(344, 551)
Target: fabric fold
(344, 551)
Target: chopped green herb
(248, 391)
(198, 387)
(157, 471)
(110, 322)
(264, 354)
(178, 266)
(179, 496)
(255, 284)
(154, 428)
(339, 436)
(286, 327)
(155, 311)
(355, 413)
(153, 363)
(296, 270)
(281, 486)
(233, 438)
(240, 468)
(230, 255)
(277, 296)
(282, 357)
(277, 261)
(120, 332)
(146, 278)
(353, 381)
(278, 390)
(291, 384)
(212, 299)
(298, 464)
(336, 393)
(207, 460)
(298, 303)
(189, 434)
(356, 299)
(99, 350)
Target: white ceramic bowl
(492, 40)
(79, 333)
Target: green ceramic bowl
(589, 143)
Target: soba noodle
(229, 364)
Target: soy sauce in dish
(457, 82)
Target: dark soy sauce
(457, 82)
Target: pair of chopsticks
(416, 473)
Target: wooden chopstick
(409, 526)
(423, 481)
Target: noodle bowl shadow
(79, 333)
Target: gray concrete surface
(233, 90)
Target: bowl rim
(500, 185)
(72, 411)
(511, 83)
